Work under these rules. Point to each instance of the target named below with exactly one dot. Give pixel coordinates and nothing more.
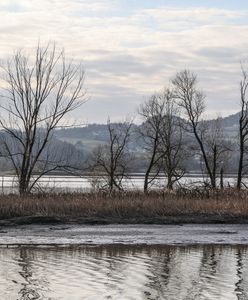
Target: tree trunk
(23, 185)
(212, 179)
(169, 182)
(222, 178)
(147, 174)
(241, 158)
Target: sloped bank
(156, 220)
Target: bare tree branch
(37, 95)
(112, 161)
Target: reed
(127, 205)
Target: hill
(87, 137)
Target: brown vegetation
(136, 207)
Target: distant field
(87, 144)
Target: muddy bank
(77, 235)
(160, 220)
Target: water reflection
(125, 272)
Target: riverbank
(83, 235)
(163, 220)
(180, 207)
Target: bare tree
(36, 95)
(172, 146)
(243, 126)
(162, 137)
(217, 148)
(112, 161)
(152, 112)
(192, 100)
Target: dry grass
(127, 205)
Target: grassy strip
(136, 207)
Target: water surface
(125, 272)
(53, 183)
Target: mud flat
(75, 235)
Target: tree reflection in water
(125, 272)
(31, 286)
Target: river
(123, 272)
(124, 262)
(8, 183)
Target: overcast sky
(132, 48)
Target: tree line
(38, 92)
(173, 130)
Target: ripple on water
(125, 272)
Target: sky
(132, 48)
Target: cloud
(129, 53)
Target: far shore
(196, 206)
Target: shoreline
(73, 235)
(160, 220)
